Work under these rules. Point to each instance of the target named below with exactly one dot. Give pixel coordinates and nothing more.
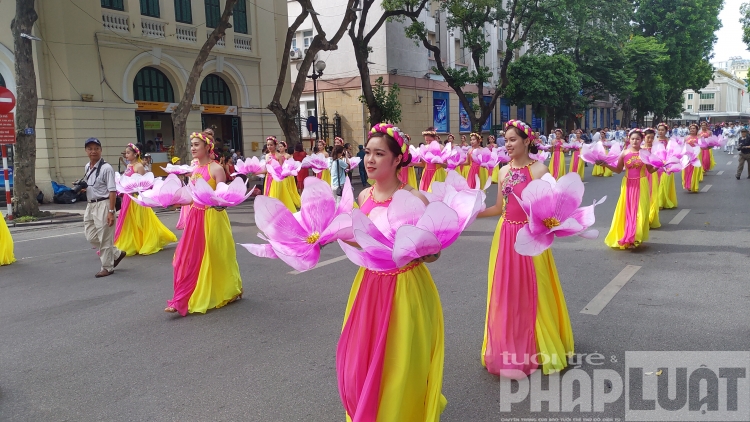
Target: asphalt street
(76, 348)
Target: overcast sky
(729, 41)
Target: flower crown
(636, 130)
(208, 139)
(272, 138)
(477, 135)
(649, 129)
(395, 133)
(135, 149)
(429, 133)
(523, 127)
(664, 125)
(693, 124)
(338, 138)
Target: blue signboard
(521, 112)
(487, 126)
(609, 117)
(537, 123)
(464, 124)
(596, 121)
(586, 112)
(440, 114)
(601, 111)
(504, 110)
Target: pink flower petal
(366, 260)
(260, 250)
(442, 221)
(339, 228)
(277, 223)
(346, 203)
(361, 222)
(405, 208)
(532, 245)
(318, 205)
(413, 243)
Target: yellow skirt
(581, 165)
(464, 170)
(495, 172)
(6, 244)
(619, 220)
(326, 175)
(653, 215)
(557, 169)
(283, 192)
(412, 375)
(601, 171)
(440, 176)
(219, 280)
(694, 184)
(290, 184)
(142, 232)
(667, 192)
(412, 174)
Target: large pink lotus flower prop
(280, 172)
(315, 162)
(678, 139)
(457, 158)
(691, 156)
(591, 153)
(225, 195)
(296, 238)
(541, 156)
(354, 162)
(182, 169)
(484, 157)
(502, 155)
(573, 145)
(711, 141)
(135, 183)
(456, 193)
(416, 154)
(165, 193)
(434, 153)
(552, 208)
(405, 231)
(251, 165)
(544, 147)
(666, 159)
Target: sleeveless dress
(6, 244)
(432, 173)
(601, 171)
(557, 162)
(408, 176)
(654, 181)
(630, 224)
(206, 273)
(285, 190)
(389, 358)
(139, 230)
(667, 189)
(526, 321)
(576, 164)
(707, 157)
(692, 176)
(476, 170)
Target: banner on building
(521, 112)
(464, 123)
(504, 110)
(152, 125)
(487, 126)
(156, 106)
(440, 115)
(219, 109)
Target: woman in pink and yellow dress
(432, 172)
(464, 169)
(630, 224)
(557, 162)
(325, 174)
(576, 164)
(278, 189)
(290, 182)
(707, 154)
(601, 171)
(390, 354)
(667, 187)
(407, 174)
(692, 176)
(6, 244)
(138, 229)
(527, 323)
(206, 273)
(653, 183)
(474, 168)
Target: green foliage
(26, 219)
(551, 83)
(745, 20)
(387, 100)
(645, 90)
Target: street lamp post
(318, 68)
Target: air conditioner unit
(295, 54)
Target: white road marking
(720, 173)
(680, 215)
(585, 183)
(48, 237)
(730, 163)
(610, 290)
(706, 188)
(58, 253)
(321, 264)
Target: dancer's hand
(428, 259)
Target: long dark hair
(338, 151)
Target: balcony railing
(222, 41)
(153, 29)
(186, 34)
(243, 43)
(114, 21)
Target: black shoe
(123, 254)
(738, 177)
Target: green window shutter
(240, 17)
(150, 8)
(113, 4)
(213, 13)
(183, 13)
(151, 84)
(215, 91)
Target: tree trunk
(180, 115)
(24, 186)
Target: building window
(690, 96)
(215, 91)
(294, 42)
(707, 96)
(706, 107)
(307, 37)
(213, 13)
(182, 11)
(690, 107)
(240, 17)
(151, 84)
(432, 40)
(150, 8)
(113, 4)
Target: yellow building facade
(115, 69)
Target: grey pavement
(76, 348)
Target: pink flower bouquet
(434, 153)
(297, 238)
(456, 193)
(591, 153)
(552, 208)
(225, 195)
(691, 156)
(164, 193)
(457, 158)
(180, 170)
(315, 162)
(251, 165)
(541, 156)
(665, 159)
(280, 172)
(135, 183)
(354, 162)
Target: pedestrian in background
(361, 167)
(299, 155)
(743, 149)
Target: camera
(79, 185)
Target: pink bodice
(202, 172)
(129, 171)
(514, 183)
(634, 167)
(370, 202)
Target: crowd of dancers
(389, 357)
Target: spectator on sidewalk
(743, 148)
(361, 167)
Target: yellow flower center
(314, 238)
(551, 222)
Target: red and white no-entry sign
(7, 100)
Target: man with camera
(99, 218)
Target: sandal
(170, 309)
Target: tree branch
(290, 33)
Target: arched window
(215, 91)
(2, 82)
(151, 84)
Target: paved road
(76, 348)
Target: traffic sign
(7, 100)
(7, 129)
